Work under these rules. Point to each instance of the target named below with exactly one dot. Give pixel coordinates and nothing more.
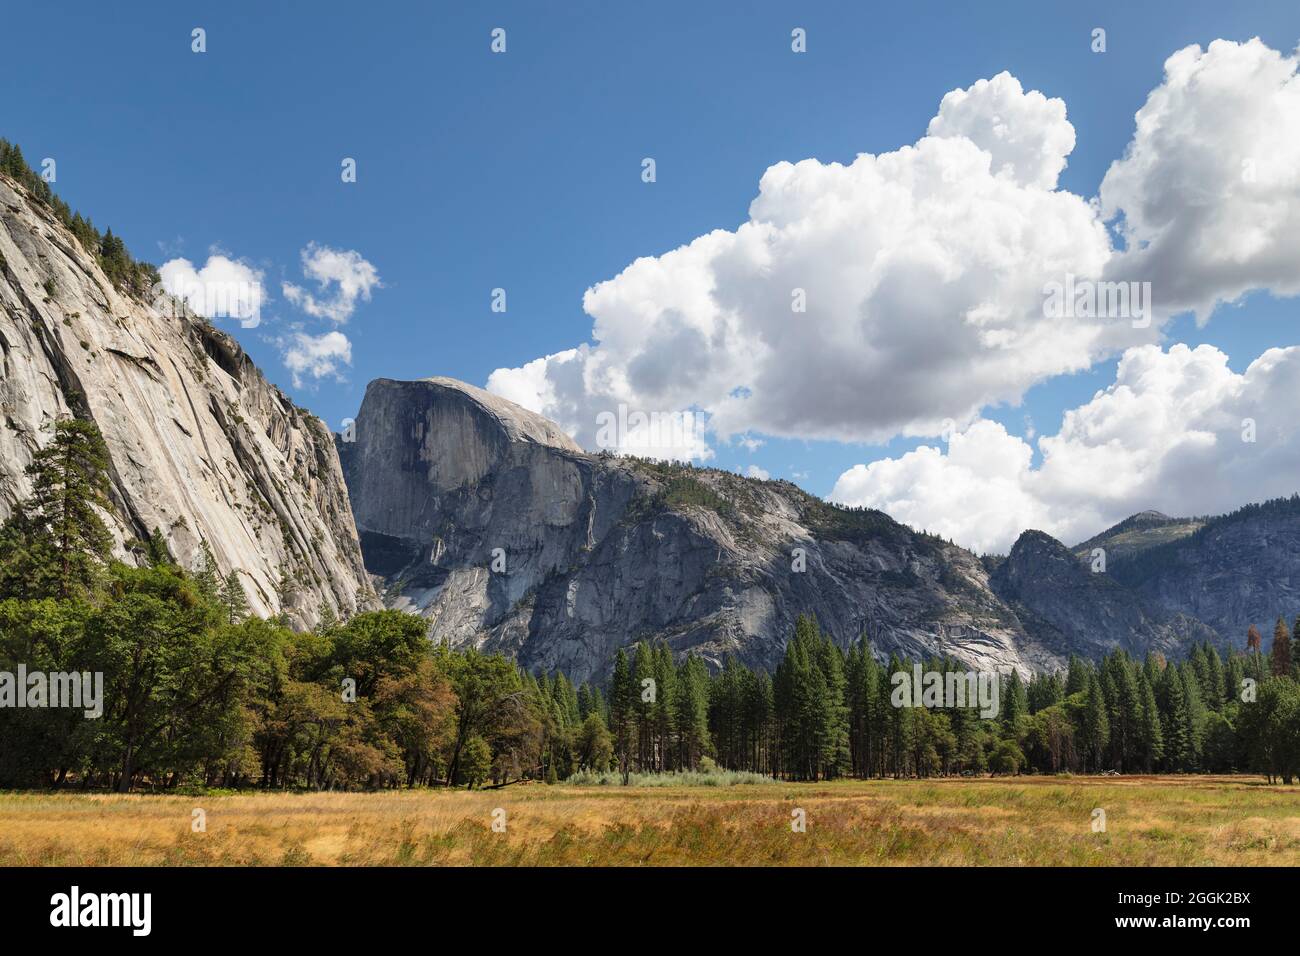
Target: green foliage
(56, 542)
(1007, 758)
(232, 597)
(197, 693)
(475, 762)
(683, 491)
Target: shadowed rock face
(201, 446)
(1067, 606)
(1236, 570)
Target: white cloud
(223, 287)
(1026, 134)
(1208, 191)
(753, 471)
(315, 356)
(1167, 435)
(922, 270)
(352, 277)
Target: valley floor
(950, 822)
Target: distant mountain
(1138, 533)
(1231, 571)
(491, 523)
(594, 552)
(1067, 606)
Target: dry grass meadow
(1027, 821)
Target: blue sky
(522, 170)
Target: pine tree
(1096, 728)
(156, 550)
(1175, 721)
(233, 599)
(207, 576)
(646, 693)
(1151, 746)
(692, 712)
(1253, 639)
(1195, 711)
(834, 731)
(1295, 647)
(1125, 713)
(61, 516)
(622, 703)
(1076, 678)
(662, 714)
(1212, 688)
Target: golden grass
(1028, 821)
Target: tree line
(198, 692)
(827, 713)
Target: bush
(1007, 758)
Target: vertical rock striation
(201, 446)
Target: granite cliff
(494, 525)
(490, 522)
(201, 446)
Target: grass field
(1023, 821)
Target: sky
(916, 173)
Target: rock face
(201, 445)
(490, 522)
(495, 526)
(1231, 572)
(1068, 607)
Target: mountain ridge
(598, 551)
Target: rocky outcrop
(1233, 571)
(495, 526)
(201, 446)
(1072, 609)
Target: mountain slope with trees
(198, 693)
(198, 446)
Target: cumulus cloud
(753, 471)
(315, 357)
(347, 277)
(1172, 433)
(223, 287)
(858, 301)
(1207, 195)
(905, 291)
(1025, 134)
